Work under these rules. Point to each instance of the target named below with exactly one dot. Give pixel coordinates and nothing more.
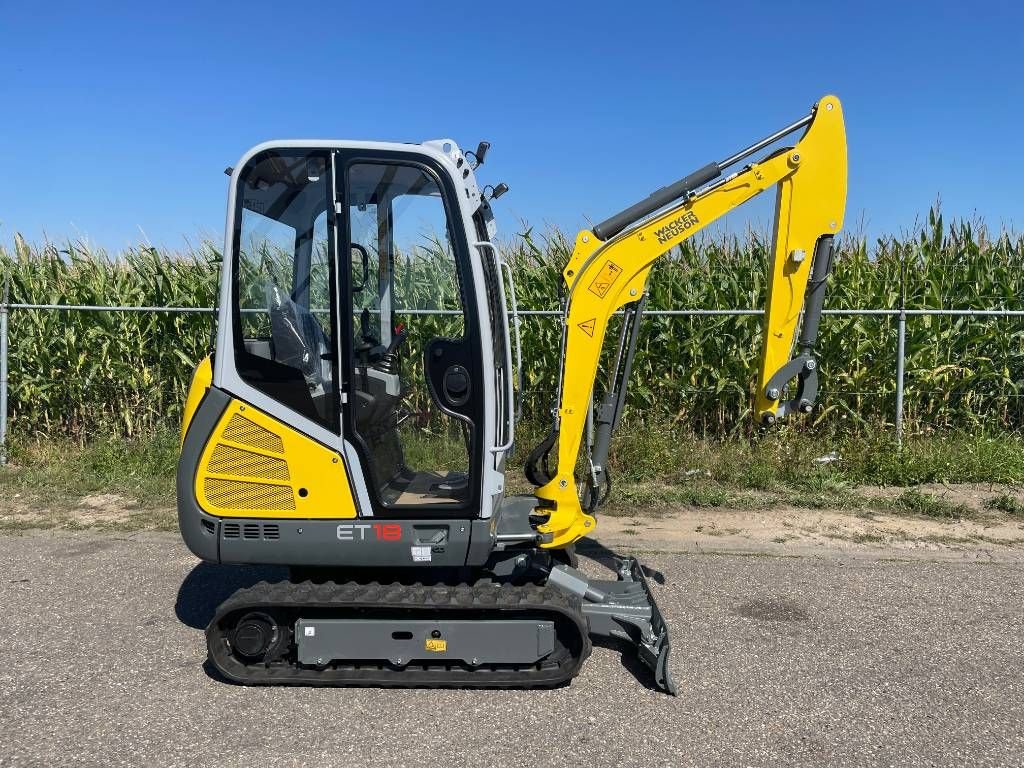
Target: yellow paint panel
(256, 466)
(202, 378)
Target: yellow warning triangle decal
(587, 326)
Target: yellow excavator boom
(610, 264)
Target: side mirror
(364, 258)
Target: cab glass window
(284, 282)
(415, 395)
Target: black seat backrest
(298, 338)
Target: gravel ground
(780, 660)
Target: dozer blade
(654, 653)
(626, 610)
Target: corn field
(80, 374)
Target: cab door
(414, 382)
(278, 318)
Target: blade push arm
(610, 265)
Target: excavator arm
(609, 268)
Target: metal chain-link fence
(840, 387)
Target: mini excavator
(354, 420)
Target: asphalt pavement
(780, 661)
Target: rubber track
(482, 600)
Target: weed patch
(916, 502)
(1007, 504)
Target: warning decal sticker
(437, 646)
(605, 279)
(587, 326)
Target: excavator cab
(354, 312)
(354, 420)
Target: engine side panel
(319, 536)
(255, 466)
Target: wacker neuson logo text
(677, 226)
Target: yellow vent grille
(245, 432)
(254, 466)
(235, 494)
(234, 461)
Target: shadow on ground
(208, 585)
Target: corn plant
(81, 373)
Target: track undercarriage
(486, 634)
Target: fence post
(901, 345)
(901, 339)
(4, 310)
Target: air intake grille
(234, 494)
(234, 461)
(269, 531)
(245, 432)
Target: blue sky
(117, 120)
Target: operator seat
(297, 338)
